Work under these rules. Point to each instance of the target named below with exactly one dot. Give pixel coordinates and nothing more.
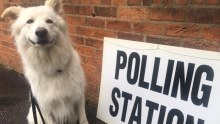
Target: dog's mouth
(41, 42)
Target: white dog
(51, 65)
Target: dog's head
(37, 26)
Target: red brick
(74, 1)
(9, 51)
(146, 2)
(202, 44)
(71, 29)
(118, 25)
(95, 22)
(211, 33)
(106, 11)
(94, 1)
(17, 63)
(4, 37)
(92, 92)
(134, 2)
(197, 1)
(101, 33)
(68, 9)
(217, 16)
(149, 28)
(139, 13)
(167, 1)
(91, 73)
(85, 50)
(4, 25)
(167, 14)
(89, 69)
(8, 44)
(82, 10)
(164, 40)
(181, 2)
(77, 39)
(85, 31)
(84, 1)
(98, 54)
(119, 2)
(83, 59)
(183, 30)
(94, 62)
(5, 58)
(94, 43)
(105, 2)
(97, 33)
(200, 15)
(130, 36)
(66, 1)
(156, 1)
(212, 2)
(5, 31)
(75, 20)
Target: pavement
(14, 99)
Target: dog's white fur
(59, 94)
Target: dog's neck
(52, 61)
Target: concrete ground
(14, 99)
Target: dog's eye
(30, 21)
(49, 21)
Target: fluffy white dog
(51, 65)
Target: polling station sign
(144, 83)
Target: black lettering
(200, 121)
(127, 97)
(134, 56)
(142, 83)
(168, 77)
(136, 111)
(113, 109)
(180, 79)
(205, 88)
(152, 106)
(162, 114)
(154, 86)
(119, 64)
(190, 120)
(175, 112)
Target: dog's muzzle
(41, 32)
(42, 37)
(41, 42)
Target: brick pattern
(194, 24)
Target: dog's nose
(41, 32)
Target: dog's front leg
(82, 112)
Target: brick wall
(185, 23)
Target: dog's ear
(11, 13)
(56, 5)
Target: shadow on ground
(14, 99)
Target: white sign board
(145, 83)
